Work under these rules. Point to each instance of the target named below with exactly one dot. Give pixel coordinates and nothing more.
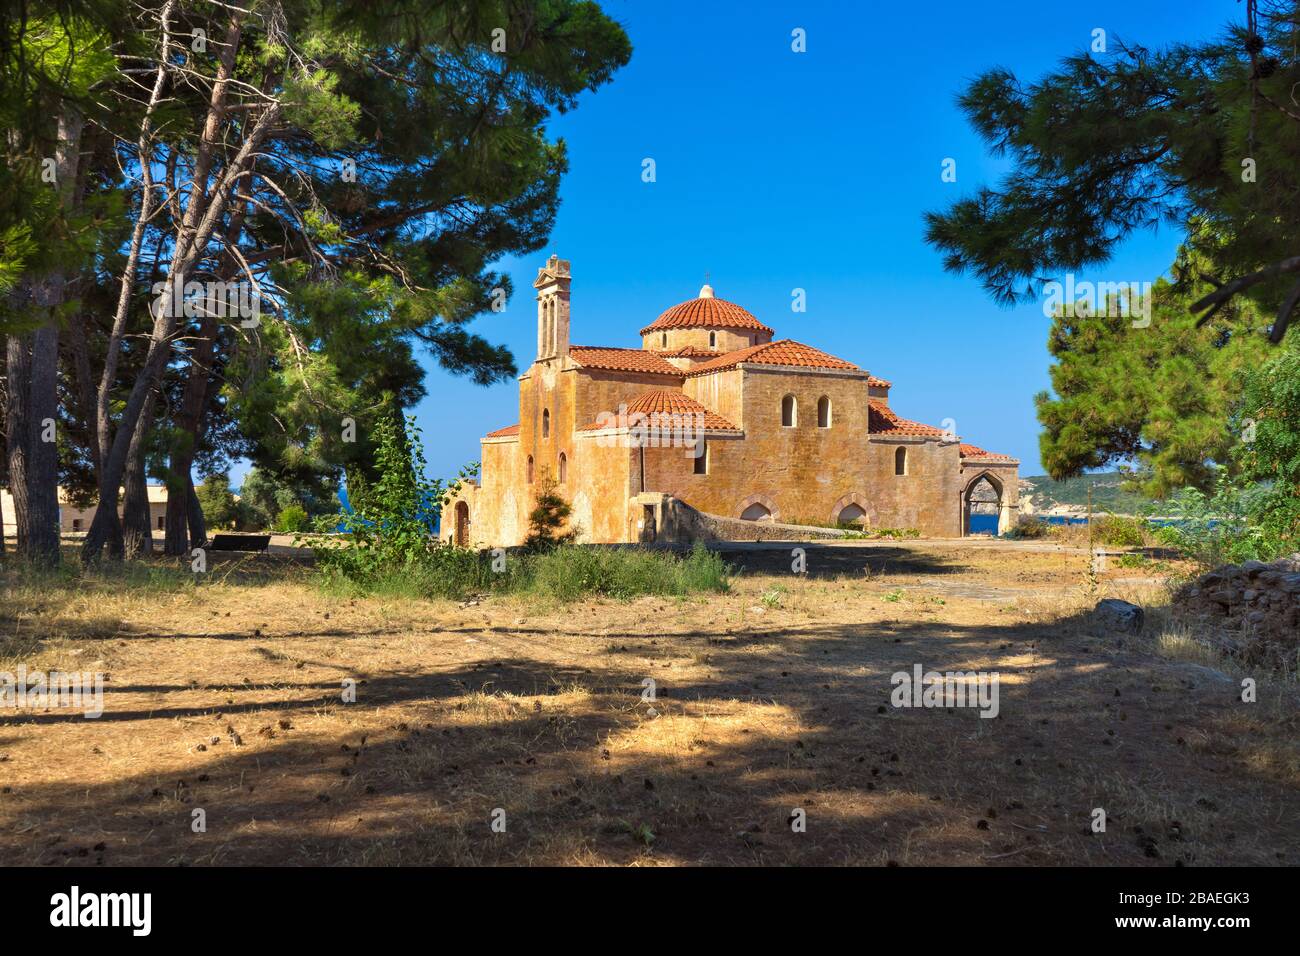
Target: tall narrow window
(664, 340)
(546, 423)
(823, 412)
(530, 469)
(701, 457)
(564, 468)
(789, 412)
(900, 461)
(713, 340)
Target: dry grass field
(227, 697)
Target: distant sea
(988, 524)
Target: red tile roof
(974, 451)
(507, 432)
(882, 421)
(686, 351)
(879, 382)
(782, 352)
(622, 360)
(706, 312)
(662, 408)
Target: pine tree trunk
(33, 385)
(137, 517)
(137, 520)
(18, 365)
(198, 524)
(189, 423)
(33, 463)
(43, 450)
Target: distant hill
(1107, 495)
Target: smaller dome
(706, 312)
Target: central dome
(706, 312)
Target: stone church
(713, 429)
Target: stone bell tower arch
(552, 287)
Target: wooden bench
(239, 542)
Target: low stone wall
(678, 523)
(1251, 609)
(733, 529)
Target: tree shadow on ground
(714, 769)
(841, 561)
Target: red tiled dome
(706, 312)
(662, 406)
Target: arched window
(713, 340)
(900, 461)
(564, 468)
(664, 340)
(530, 469)
(823, 412)
(546, 423)
(789, 412)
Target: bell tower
(552, 287)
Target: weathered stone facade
(712, 412)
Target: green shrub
(220, 510)
(550, 513)
(1116, 531)
(292, 520)
(1232, 525)
(388, 534)
(569, 572)
(1027, 527)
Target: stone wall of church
(603, 392)
(599, 490)
(927, 497)
(546, 392)
(721, 392)
(799, 472)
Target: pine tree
(1163, 395)
(1129, 138)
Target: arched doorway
(462, 524)
(852, 514)
(981, 506)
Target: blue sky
(779, 170)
